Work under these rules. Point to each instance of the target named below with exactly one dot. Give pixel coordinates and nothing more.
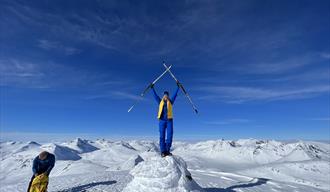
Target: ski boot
(167, 153)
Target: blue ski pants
(165, 135)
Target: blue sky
(255, 69)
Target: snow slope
(214, 166)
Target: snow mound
(167, 174)
(61, 152)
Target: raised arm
(175, 94)
(157, 98)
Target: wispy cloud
(114, 95)
(124, 95)
(245, 94)
(321, 119)
(53, 45)
(180, 33)
(212, 29)
(282, 66)
(138, 32)
(116, 82)
(229, 121)
(48, 45)
(27, 74)
(325, 55)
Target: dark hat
(166, 93)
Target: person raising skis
(165, 116)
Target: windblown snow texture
(167, 174)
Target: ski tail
(130, 108)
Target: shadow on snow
(260, 181)
(87, 186)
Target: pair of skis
(148, 87)
(179, 84)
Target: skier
(165, 116)
(42, 166)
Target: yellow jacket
(169, 109)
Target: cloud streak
(188, 29)
(141, 31)
(28, 73)
(321, 119)
(116, 94)
(246, 94)
(325, 55)
(229, 121)
(282, 66)
(17, 73)
(214, 32)
(57, 46)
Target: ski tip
(130, 109)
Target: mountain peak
(33, 143)
(81, 145)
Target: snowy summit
(167, 174)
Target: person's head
(165, 96)
(43, 155)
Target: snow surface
(211, 166)
(167, 174)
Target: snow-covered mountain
(211, 166)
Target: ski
(182, 88)
(148, 87)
